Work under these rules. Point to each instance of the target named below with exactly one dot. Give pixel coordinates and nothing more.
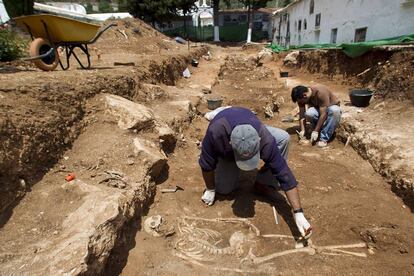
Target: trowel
(172, 190)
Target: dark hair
(297, 92)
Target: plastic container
(360, 97)
(214, 103)
(284, 74)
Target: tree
(151, 11)
(105, 6)
(88, 7)
(16, 8)
(216, 7)
(252, 5)
(186, 6)
(122, 5)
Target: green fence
(230, 33)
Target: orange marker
(70, 177)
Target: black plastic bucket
(360, 97)
(284, 74)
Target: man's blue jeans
(331, 122)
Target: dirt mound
(135, 36)
(395, 78)
(388, 73)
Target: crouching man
(236, 140)
(323, 112)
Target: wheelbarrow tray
(61, 29)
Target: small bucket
(284, 74)
(360, 97)
(214, 103)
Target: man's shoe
(322, 144)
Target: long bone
(311, 249)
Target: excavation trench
(124, 154)
(360, 226)
(93, 128)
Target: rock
(291, 58)
(265, 56)
(153, 156)
(150, 92)
(167, 138)
(130, 115)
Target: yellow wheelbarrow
(49, 32)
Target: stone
(154, 157)
(150, 92)
(130, 115)
(167, 138)
(265, 56)
(291, 58)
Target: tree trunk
(250, 24)
(216, 4)
(185, 25)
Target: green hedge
(11, 47)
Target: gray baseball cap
(245, 142)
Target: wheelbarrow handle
(47, 54)
(101, 31)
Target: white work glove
(303, 225)
(314, 136)
(302, 134)
(208, 197)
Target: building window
(312, 7)
(334, 33)
(300, 25)
(318, 20)
(360, 34)
(305, 24)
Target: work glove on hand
(303, 225)
(314, 136)
(208, 197)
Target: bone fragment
(275, 214)
(259, 260)
(363, 255)
(278, 236)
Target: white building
(342, 21)
(204, 14)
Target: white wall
(383, 18)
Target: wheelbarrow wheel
(40, 46)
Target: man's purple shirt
(216, 144)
